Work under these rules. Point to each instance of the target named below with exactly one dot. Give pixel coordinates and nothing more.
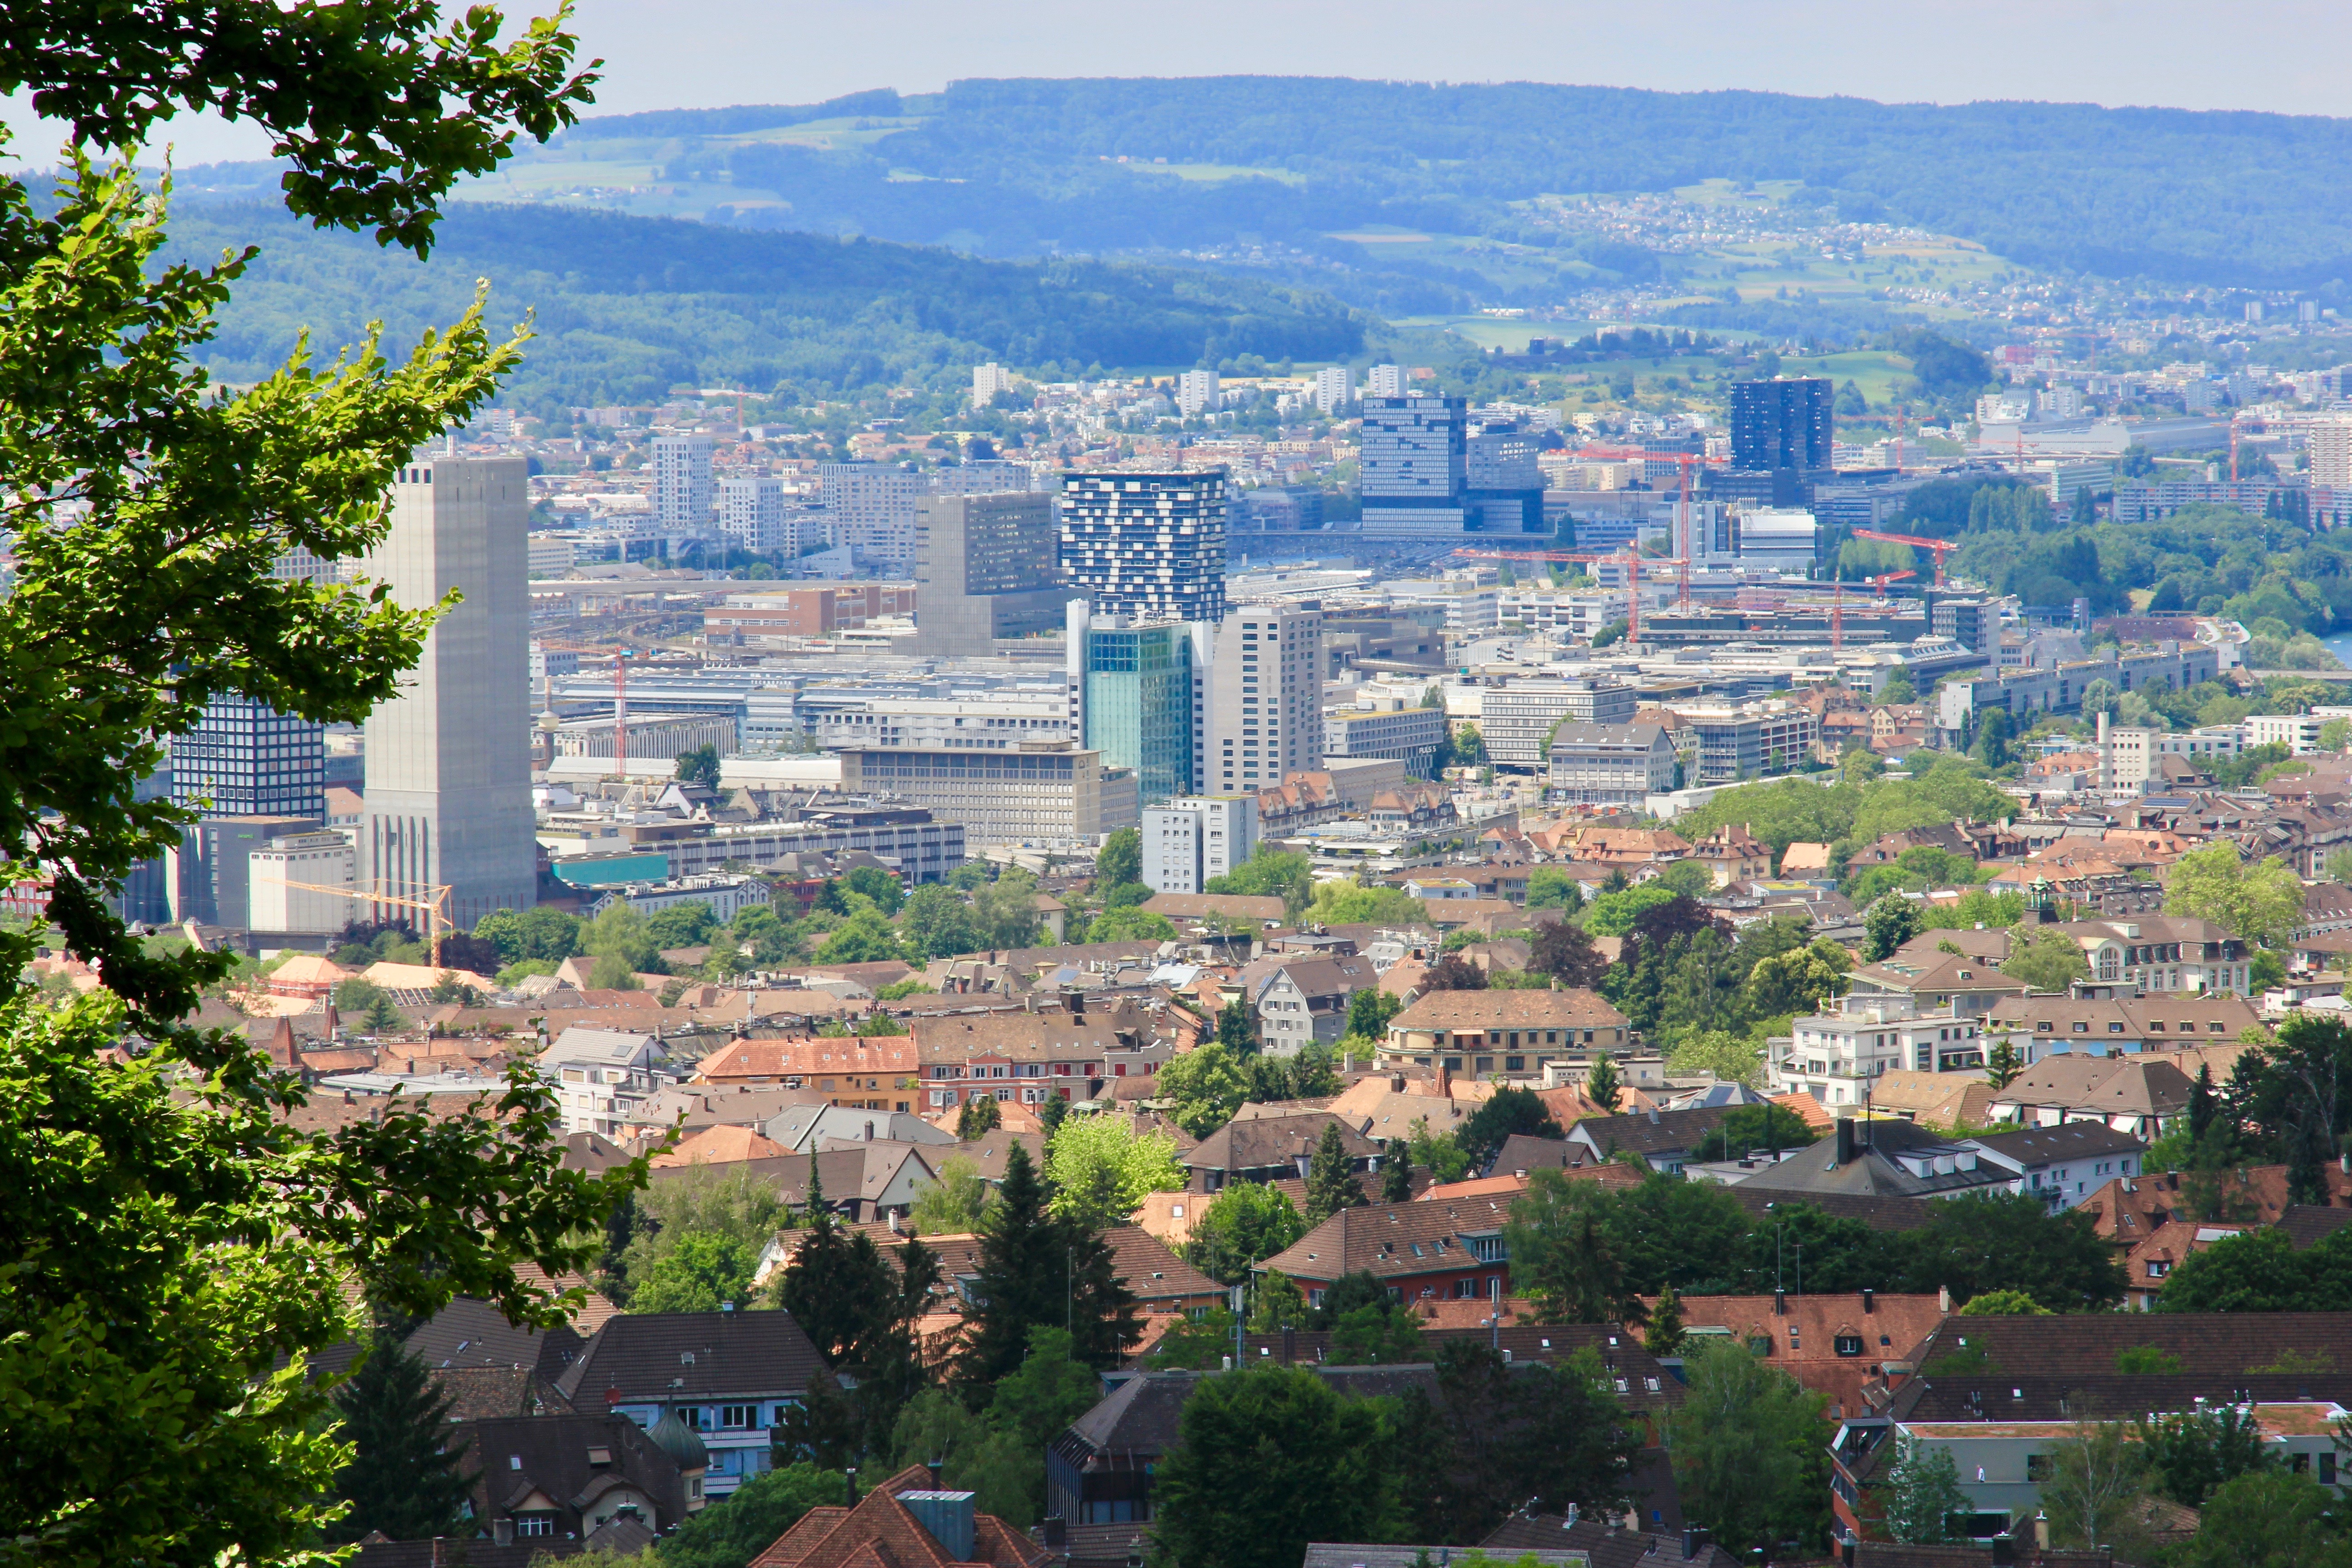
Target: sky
(2283, 55)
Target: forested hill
(1014, 167)
(627, 307)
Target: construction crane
(437, 922)
(1688, 546)
(1628, 558)
(1942, 547)
(620, 657)
(1837, 601)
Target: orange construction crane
(1942, 547)
(437, 922)
(1883, 578)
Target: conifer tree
(401, 1480)
(1602, 1086)
(1331, 1184)
(977, 1119)
(1664, 1334)
(1396, 1173)
(1037, 1272)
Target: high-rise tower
(449, 760)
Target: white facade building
(1334, 390)
(1188, 842)
(752, 514)
(683, 499)
(273, 901)
(1836, 1057)
(1197, 393)
(871, 509)
(987, 381)
(1384, 381)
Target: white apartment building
(1384, 381)
(987, 381)
(1197, 393)
(752, 514)
(1188, 842)
(871, 509)
(1836, 1057)
(1265, 698)
(553, 554)
(683, 500)
(2298, 733)
(1334, 390)
(725, 896)
(603, 1076)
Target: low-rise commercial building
(1034, 794)
(1517, 719)
(1390, 727)
(1611, 764)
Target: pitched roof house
(1514, 1033)
(908, 1521)
(1271, 1148)
(1419, 1250)
(550, 1478)
(729, 1377)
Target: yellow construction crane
(436, 910)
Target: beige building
(1266, 698)
(1514, 1033)
(2331, 452)
(1041, 794)
(449, 760)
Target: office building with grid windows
(1150, 545)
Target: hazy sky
(2277, 55)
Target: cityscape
(1595, 867)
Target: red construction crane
(1942, 547)
(620, 657)
(1628, 558)
(1684, 460)
(1883, 578)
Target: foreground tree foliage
(176, 1249)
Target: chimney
(1943, 1298)
(1057, 1532)
(503, 1532)
(1779, 1302)
(2004, 1547)
(851, 1476)
(1844, 1140)
(1289, 1345)
(1694, 1541)
(1869, 1299)
(939, 1474)
(1445, 1080)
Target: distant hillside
(1015, 167)
(628, 307)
